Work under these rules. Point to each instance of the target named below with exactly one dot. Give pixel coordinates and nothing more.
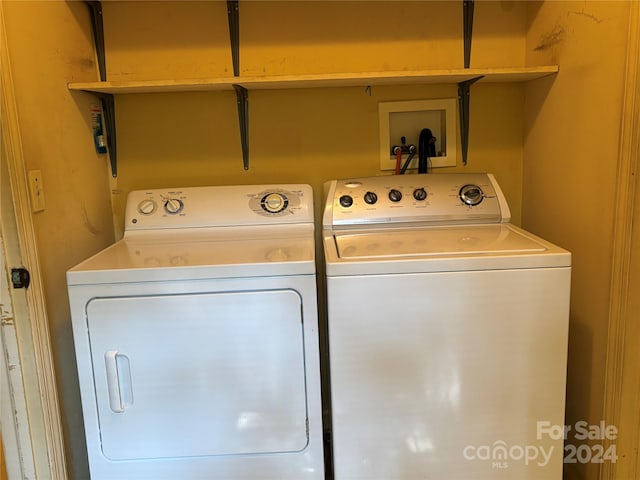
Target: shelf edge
(412, 77)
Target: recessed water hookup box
(407, 119)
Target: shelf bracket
(95, 10)
(109, 111)
(233, 12)
(106, 99)
(464, 97)
(242, 95)
(467, 12)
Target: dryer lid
(198, 254)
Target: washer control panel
(435, 198)
(194, 207)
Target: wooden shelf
(462, 77)
(413, 77)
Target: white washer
(196, 338)
(447, 332)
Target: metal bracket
(467, 12)
(242, 95)
(106, 99)
(233, 12)
(95, 10)
(109, 110)
(464, 97)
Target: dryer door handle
(113, 381)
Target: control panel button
(395, 195)
(471, 195)
(173, 206)
(147, 207)
(346, 201)
(420, 194)
(274, 202)
(370, 198)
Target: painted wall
(571, 151)
(296, 136)
(189, 39)
(49, 45)
(307, 136)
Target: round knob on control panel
(395, 195)
(173, 206)
(370, 198)
(346, 201)
(274, 202)
(471, 195)
(147, 207)
(420, 194)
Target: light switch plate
(36, 190)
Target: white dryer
(448, 332)
(196, 338)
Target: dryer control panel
(218, 206)
(437, 198)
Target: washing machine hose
(424, 149)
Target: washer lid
(484, 239)
(186, 254)
(439, 249)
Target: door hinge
(20, 277)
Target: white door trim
(622, 382)
(16, 436)
(43, 357)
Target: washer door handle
(113, 381)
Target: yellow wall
(571, 152)
(189, 39)
(307, 136)
(49, 45)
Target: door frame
(16, 434)
(48, 452)
(622, 381)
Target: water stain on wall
(558, 32)
(554, 37)
(87, 222)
